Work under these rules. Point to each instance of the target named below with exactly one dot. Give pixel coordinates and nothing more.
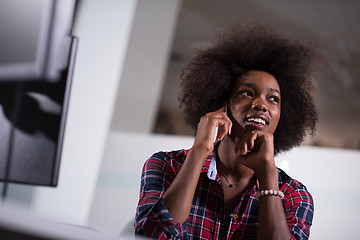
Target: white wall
(137, 100)
(145, 66)
(329, 174)
(118, 185)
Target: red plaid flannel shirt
(207, 216)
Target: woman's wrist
(199, 153)
(268, 178)
(201, 149)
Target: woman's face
(255, 102)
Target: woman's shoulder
(296, 196)
(290, 184)
(163, 159)
(169, 155)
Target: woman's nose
(259, 105)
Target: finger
(219, 114)
(226, 117)
(251, 140)
(222, 114)
(248, 142)
(243, 145)
(237, 142)
(212, 128)
(244, 148)
(222, 122)
(223, 128)
(222, 109)
(219, 111)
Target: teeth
(256, 120)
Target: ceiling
(332, 24)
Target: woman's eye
(274, 99)
(246, 93)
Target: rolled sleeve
(299, 210)
(152, 216)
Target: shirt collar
(212, 171)
(206, 165)
(209, 166)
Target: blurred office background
(124, 107)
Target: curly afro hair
(208, 79)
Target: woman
(252, 92)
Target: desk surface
(19, 223)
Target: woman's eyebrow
(247, 84)
(252, 85)
(274, 90)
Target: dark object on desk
(13, 235)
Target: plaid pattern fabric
(207, 216)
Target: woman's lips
(256, 120)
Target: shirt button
(235, 216)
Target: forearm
(178, 197)
(272, 222)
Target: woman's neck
(227, 162)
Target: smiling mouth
(256, 120)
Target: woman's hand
(179, 196)
(207, 127)
(256, 151)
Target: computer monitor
(37, 54)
